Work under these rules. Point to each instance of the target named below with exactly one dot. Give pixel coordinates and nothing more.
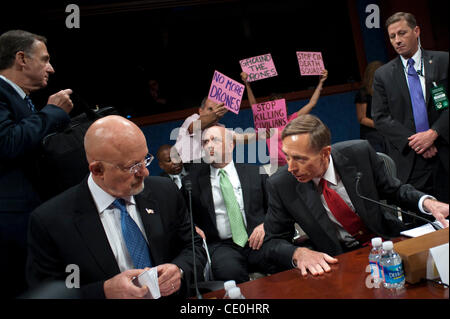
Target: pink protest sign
(226, 90)
(270, 114)
(310, 63)
(259, 67)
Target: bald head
(110, 137)
(218, 145)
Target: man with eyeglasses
(116, 223)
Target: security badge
(439, 97)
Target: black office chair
(392, 170)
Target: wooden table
(347, 280)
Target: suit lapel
(309, 195)
(347, 173)
(90, 227)
(430, 70)
(150, 212)
(206, 197)
(398, 73)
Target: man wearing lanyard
(415, 127)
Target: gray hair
(14, 41)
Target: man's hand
(62, 100)
(257, 237)
(200, 232)
(430, 152)
(220, 110)
(315, 262)
(438, 209)
(169, 279)
(420, 142)
(121, 287)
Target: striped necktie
(30, 104)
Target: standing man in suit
(317, 190)
(115, 223)
(171, 164)
(405, 113)
(229, 202)
(24, 68)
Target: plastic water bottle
(391, 263)
(235, 293)
(374, 260)
(227, 285)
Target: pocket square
(149, 211)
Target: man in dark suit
(24, 68)
(405, 113)
(229, 202)
(317, 190)
(170, 162)
(115, 223)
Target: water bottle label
(393, 274)
(374, 270)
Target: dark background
(121, 45)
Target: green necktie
(238, 231)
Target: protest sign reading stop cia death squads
(271, 114)
(226, 90)
(310, 63)
(259, 67)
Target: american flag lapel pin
(149, 211)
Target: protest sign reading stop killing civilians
(226, 90)
(259, 67)
(271, 114)
(310, 63)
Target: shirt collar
(181, 175)
(229, 169)
(102, 199)
(330, 174)
(18, 89)
(417, 60)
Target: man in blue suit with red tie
(24, 68)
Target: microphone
(188, 187)
(358, 177)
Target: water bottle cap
(234, 292)
(229, 284)
(376, 241)
(388, 245)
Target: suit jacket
(392, 109)
(68, 230)
(291, 201)
(21, 133)
(253, 186)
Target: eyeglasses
(135, 167)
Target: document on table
(419, 231)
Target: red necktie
(341, 211)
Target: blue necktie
(134, 239)
(30, 104)
(417, 100)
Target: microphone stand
(188, 187)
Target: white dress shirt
(335, 183)
(222, 220)
(189, 146)
(419, 67)
(178, 177)
(110, 218)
